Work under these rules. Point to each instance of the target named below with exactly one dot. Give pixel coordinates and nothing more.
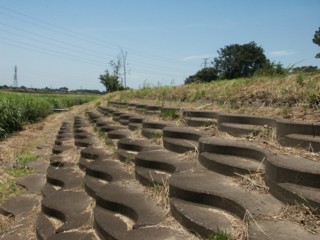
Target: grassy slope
(294, 96)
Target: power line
(32, 48)
(77, 49)
(84, 37)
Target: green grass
(20, 167)
(104, 136)
(157, 135)
(18, 109)
(219, 235)
(172, 114)
(108, 141)
(9, 189)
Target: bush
(204, 75)
(17, 109)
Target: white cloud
(194, 57)
(282, 53)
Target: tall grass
(17, 109)
(273, 91)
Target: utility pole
(124, 61)
(15, 77)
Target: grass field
(289, 96)
(18, 109)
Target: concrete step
(230, 157)
(152, 128)
(156, 166)
(69, 207)
(198, 118)
(293, 179)
(219, 191)
(181, 139)
(33, 182)
(299, 134)
(118, 134)
(128, 199)
(201, 219)
(20, 205)
(242, 124)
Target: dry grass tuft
(160, 193)
(301, 214)
(252, 182)
(5, 223)
(239, 230)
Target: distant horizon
(50, 88)
(104, 90)
(70, 43)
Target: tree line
(233, 61)
(246, 60)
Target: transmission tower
(15, 77)
(205, 62)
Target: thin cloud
(194, 57)
(282, 53)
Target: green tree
(207, 74)
(272, 69)
(305, 69)
(316, 40)
(111, 80)
(238, 60)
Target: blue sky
(70, 42)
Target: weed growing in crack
(103, 135)
(265, 133)
(171, 114)
(108, 141)
(160, 192)
(219, 235)
(9, 189)
(20, 168)
(287, 112)
(129, 163)
(157, 137)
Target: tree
(111, 80)
(316, 40)
(237, 60)
(272, 69)
(306, 69)
(207, 74)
